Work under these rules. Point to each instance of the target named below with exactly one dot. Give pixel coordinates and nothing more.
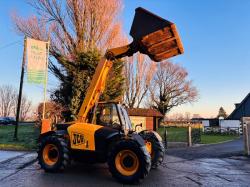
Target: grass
(174, 134)
(27, 137)
(209, 139)
(179, 134)
(28, 134)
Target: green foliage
(196, 135)
(222, 113)
(114, 86)
(77, 76)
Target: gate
(180, 135)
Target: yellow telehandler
(103, 131)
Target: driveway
(221, 150)
(213, 165)
(7, 155)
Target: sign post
(20, 90)
(46, 80)
(37, 70)
(37, 66)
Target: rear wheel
(157, 151)
(53, 154)
(128, 162)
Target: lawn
(174, 134)
(208, 139)
(27, 137)
(28, 134)
(179, 134)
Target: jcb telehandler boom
(107, 136)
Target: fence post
(165, 137)
(246, 139)
(189, 136)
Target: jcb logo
(78, 139)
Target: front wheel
(53, 154)
(128, 162)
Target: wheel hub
(127, 162)
(53, 154)
(50, 154)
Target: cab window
(107, 115)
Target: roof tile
(144, 112)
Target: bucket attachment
(152, 35)
(155, 36)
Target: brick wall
(149, 123)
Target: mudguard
(155, 134)
(104, 137)
(60, 133)
(139, 140)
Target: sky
(215, 36)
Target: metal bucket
(155, 36)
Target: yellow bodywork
(95, 89)
(159, 42)
(82, 136)
(148, 147)
(45, 126)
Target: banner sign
(37, 61)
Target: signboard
(37, 61)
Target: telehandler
(103, 131)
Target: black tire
(57, 158)
(143, 160)
(158, 150)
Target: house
(149, 118)
(216, 122)
(207, 122)
(241, 109)
(183, 123)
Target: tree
(73, 26)
(80, 31)
(24, 107)
(177, 117)
(7, 100)
(222, 113)
(187, 116)
(196, 116)
(138, 76)
(170, 87)
(53, 111)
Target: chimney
(236, 105)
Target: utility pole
(20, 90)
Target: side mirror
(138, 125)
